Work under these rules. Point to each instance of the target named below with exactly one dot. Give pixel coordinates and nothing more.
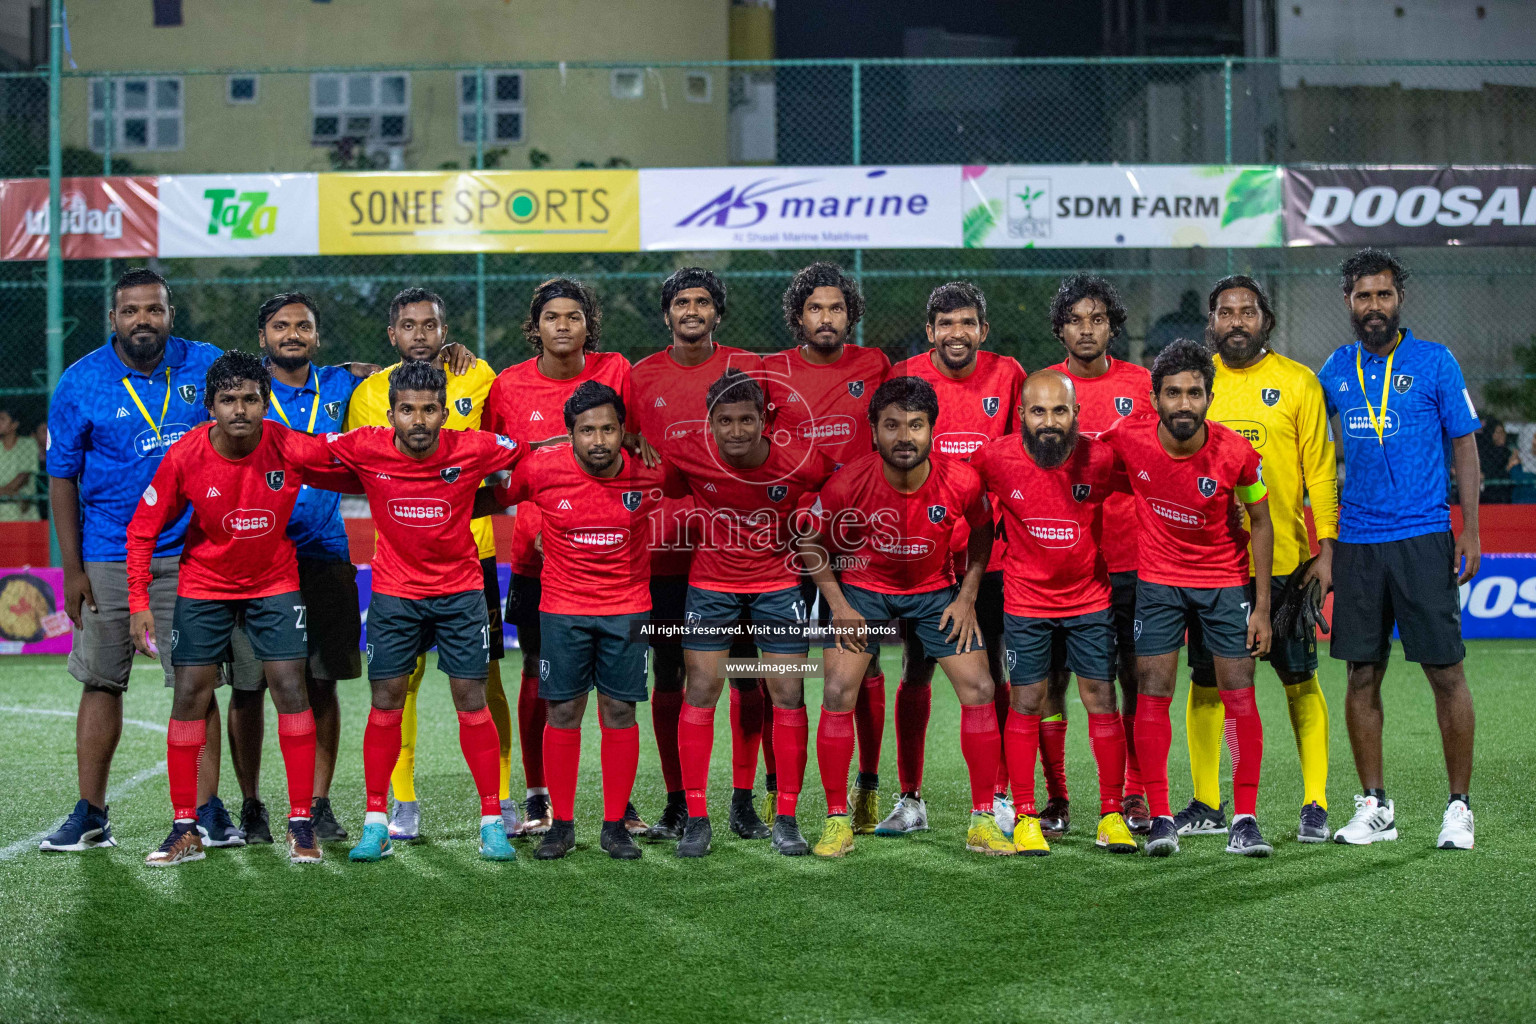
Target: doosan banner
(1041, 206)
(1410, 205)
(239, 215)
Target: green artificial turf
(907, 930)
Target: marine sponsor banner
(694, 208)
(32, 617)
(1327, 205)
(239, 215)
(1046, 206)
(480, 211)
(100, 218)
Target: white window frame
(347, 109)
(229, 90)
(709, 86)
(617, 93)
(121, 116)
(493, 106)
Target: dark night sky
(873, 28)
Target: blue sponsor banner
(1499, 603)
(365, 595)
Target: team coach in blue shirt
(1403, 407)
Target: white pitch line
(114, 794)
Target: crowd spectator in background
(1497, 458)
(1524, 472)
(18, 468)
(1188, 321)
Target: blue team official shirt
(111, 444)
(1396, 487)
(319, 407)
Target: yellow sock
(1204, 717)
(501, 715)
(1309, 721)
(403, 781)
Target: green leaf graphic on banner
(1253, 193)
(979, 221)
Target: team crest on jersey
(449, 474)
(1080, 492)
(1401, 382)
(936, 513)
(1123, 406)
(777, 492)
(991, 404)
(631, 499)
(333, 409)
(463, 405)
(856, 388)
(1269, 395)
(1207, 485)
(275, 479)
(188, 392)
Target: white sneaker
(909, 815)
(1456, 827)
(1002, 810)
(1372, 823)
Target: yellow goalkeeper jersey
(1277, 404)
(369, 407)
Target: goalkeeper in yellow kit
(417, 331)
(1277, 404)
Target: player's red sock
(1106, 735)
(1133, 783)
(296, 739)
(869, 724)
(982, 748)
(913, 704)
(1245, 739)
(1001, 696)
(834, 753)
(1022, 739)
(482, 752)
(381, 749)
(770, 760)
(1053, 757)
(1154, 735)
(532, 713)
(620, 754)
(184, 743)
(695, 741)
(562, 763)
(792, 735)
(666, 705)
(746, 735)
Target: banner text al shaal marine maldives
(480, 211)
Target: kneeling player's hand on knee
(848, 630)
(1259, 633)
(964, 630)
(142, 625)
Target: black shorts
(1122, 610)
(493, 607)
(587, 651)
(335, 625)
(780, 612)
(523, 596)
(1087, 644)
(917, 613)
(275, 625)
(400, 629)
(1410, 583)
(989, 608)
(1163, 613)
(669, 603)
(1286, 654)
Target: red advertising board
(102, 217)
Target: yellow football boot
(1028, 840)
(1115, 835)
(864, 803)
(985, 837)
(836, 837)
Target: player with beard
(1086, 316)
(1396, 560)
(418, 331)
(1192, 480)
(821, 391)
(670, 405)
(888, 519)
(1051, 485)
(978, 402)
(1277, 404)
(564, 328)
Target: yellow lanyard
(145, 412)
(1386, 389)
(312, 412)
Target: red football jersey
(740, 521)
(237, 539)
(422, 507)
(1192, 532)
(669, 397)
(527, 406)
(1124, 389)
(1054, 567)
(827, 404)
(890, 541)
(597, 531)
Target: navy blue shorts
(779, 616)
(1287, 654)
(400, 629)
(1087, 643)
(587, 651)
(1163, 613)
(919, 613)
(276, 626)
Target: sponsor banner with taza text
(239, 215)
